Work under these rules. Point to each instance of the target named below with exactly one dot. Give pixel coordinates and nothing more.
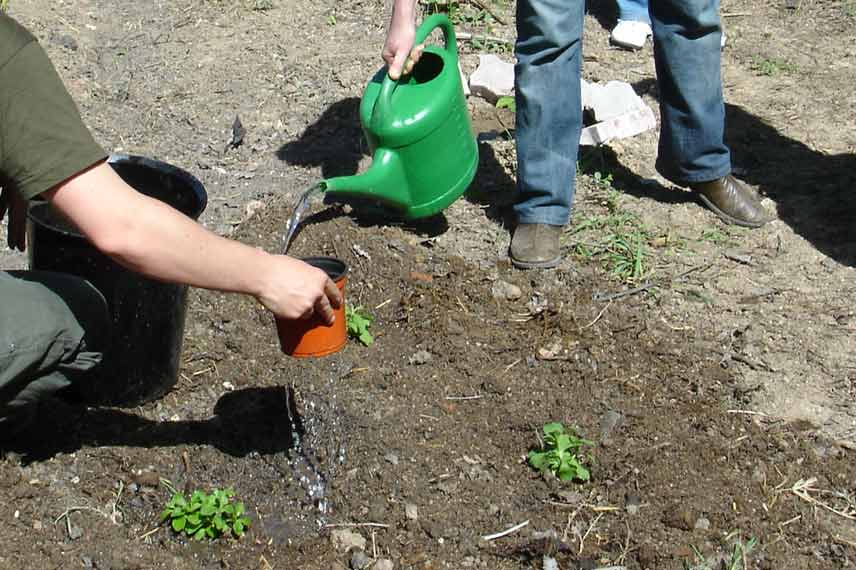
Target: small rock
(411, 512)
(391, 458)
(504, 291)
(702, 524)
(37, 525)
(87, 562)
(344, 539)
(632, 504)
(679, 518)
(549, 563)
(359, 560)
(419, 277)
(147, 479)
(252, 207)
(65, 41)
(608, 422)
(74, 532)
(421, 357)
(383, 564)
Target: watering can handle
(384, 100)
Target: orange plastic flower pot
(305, 338)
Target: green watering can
(418, 130)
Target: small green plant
(205, 515)
(4, 5)
(734, 561)
(331, 20)
(358, 322)
(558, 454)
(506, 102)
(771, 66)
(626, 256)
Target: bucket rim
(192, 182)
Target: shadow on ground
(813, 191)
(244, 421)
(335, 143)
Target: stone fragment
(631, 123)
(420, 357)
(359, 560)
(345, 539)
(383, 564)
(504, 291)
(411, 512)
(492, 79)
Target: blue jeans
(636, 10)
(549, 115)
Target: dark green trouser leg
(53, 329)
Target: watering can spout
(384, 181)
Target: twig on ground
(803, 489)
(597, 318)
(747, 412)
(601, 296)
(354, 525)
(476, 397)
(588, 532)
(505, 532)
(468, 37)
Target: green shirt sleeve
(43, 140)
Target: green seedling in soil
(4, 5)
(506, 102)
(849, 9)
(558, 454)
(715, 236)
(358, 322)
(205, 515)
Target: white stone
(631, 123)
(383, 564)
(492, 79)
(610, 100)
(411, 512)
(344, 539)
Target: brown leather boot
(733, 202)
(535, 246)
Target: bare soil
(720, 395)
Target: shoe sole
(549, 264)
(730, 219)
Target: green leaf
(178, 524)
(199, 534)
(537, 459)
(238, 527)
(358, 324)
(506, 102)
(553, 428)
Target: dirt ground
(720, 395)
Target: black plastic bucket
(142, 361)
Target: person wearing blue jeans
(634, 25)
(691, 152)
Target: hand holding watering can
(417, 127)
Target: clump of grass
(771, 66)
(619, 238)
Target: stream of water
(297, 214)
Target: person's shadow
(813, 191)
(261, 420)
